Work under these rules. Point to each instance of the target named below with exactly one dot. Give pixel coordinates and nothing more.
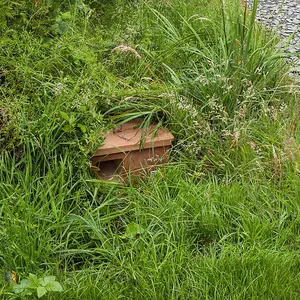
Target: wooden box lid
(129, 138)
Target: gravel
(284, 18)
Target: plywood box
(129, 149)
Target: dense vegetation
(221, 221)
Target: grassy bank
(221, 221)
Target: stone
(284, 17)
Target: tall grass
(220, 221)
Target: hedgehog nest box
(129, 149)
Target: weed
(38, 286)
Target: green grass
(220, 221)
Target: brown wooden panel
(130, 137)
(136, 160)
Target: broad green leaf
(64, 116)
(66, 16)
(34, 281)
(54, 286)
(62, 27)
(82, 127)
(133, 230)
(32, 277)
(72, 120)
(23, 287)
(67, 128)
(25, 283)
(48, 279)
(41, 291)
(18, 288)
